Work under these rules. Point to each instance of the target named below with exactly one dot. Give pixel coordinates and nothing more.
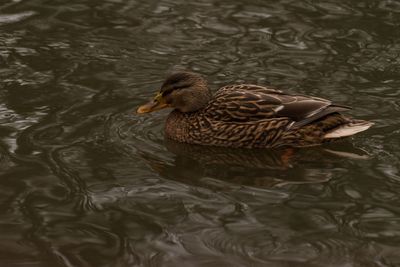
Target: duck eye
(166, 92)
(173, 87)
(181, 85)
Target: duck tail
(348, 129)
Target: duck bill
(151, 106)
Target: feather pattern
(254, 116)
(247, 115)
(250, 103)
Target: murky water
(86, 182)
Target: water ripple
(14, 18)
(87, 182)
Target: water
(84, 181)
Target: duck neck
(176, 126)
(195, 102)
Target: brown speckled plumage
(249, 116)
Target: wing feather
(252, 103)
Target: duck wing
(244, 103)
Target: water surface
(84, 181)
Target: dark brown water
(86, 182)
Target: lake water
(84, 181)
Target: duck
(247, 115)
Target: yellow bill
(155, 104)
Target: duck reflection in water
(265, 168)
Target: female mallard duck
(246, 115)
